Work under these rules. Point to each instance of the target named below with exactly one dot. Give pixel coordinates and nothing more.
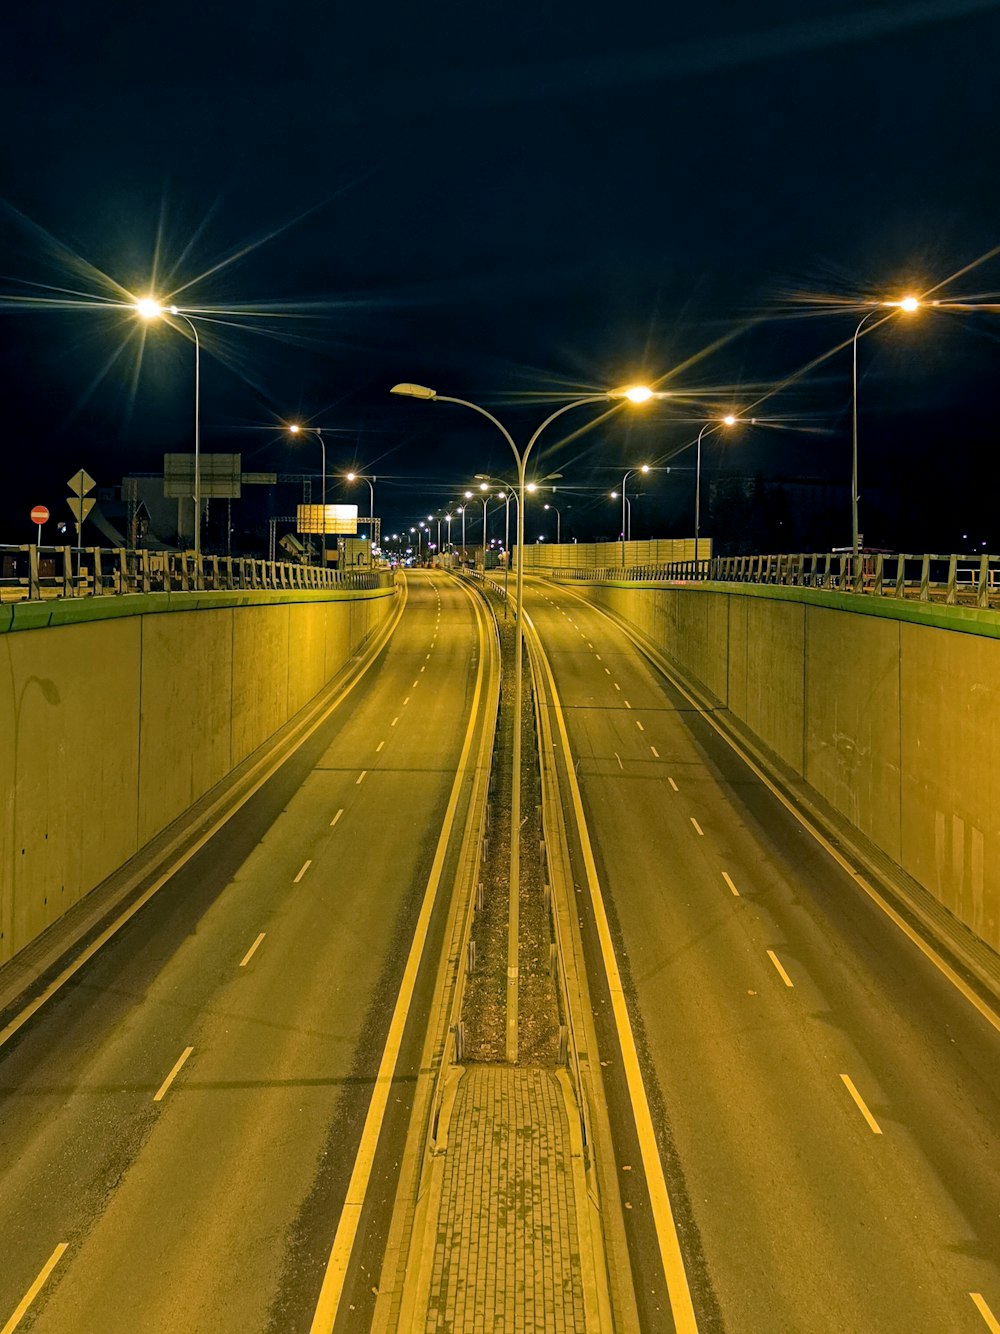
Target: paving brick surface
(507, 1250)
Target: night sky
(517, 205)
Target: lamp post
(296, 429)
(150, 309)
(361, 477)
(907, 304)
(634, 394)
(711, 425)
(627, 509)
(558, 523)
(461, 510)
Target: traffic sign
(39, 514)
(80, 506)
(81, 482)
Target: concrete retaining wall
(111, 728)
(890, 710)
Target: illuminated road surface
(828, 1105)
(185, 1114)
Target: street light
(728, 420)
(362, 477)
(558, 522)
(151, 309)
(626, 508)
(295, 429)
(634, 394)
(906, 304)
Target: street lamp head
(644, 468)
(909, 304)
(614, 495)
(149, 308)
(408, 390)
(351, 476)
(294, 428)
(484, 486)
(729, 420)
(635, 393)
(532, 486)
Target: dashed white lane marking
(360, 778)
(336, 817)
(36, 1288)
(607, 671)
(673, 784)
(617, 686)
(407, 700)
(729, 881)
(252, 950)
(619, 759)
(424, 668)
(394, 721)
(590, 645)
(305, 867)
(627, 704)
(656, 753)
(379, 747)
(992, 1323)
(415, 684)
(781, 972)
(697, 827)
(158, 1095)
(427, 659)
(874, 1126)
(639, 725)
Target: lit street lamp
(558, 522)
(296, 429)
(728, 420)
(627, 509)
(150, 309)
(634, 394)
(361, 477)
(907, 304)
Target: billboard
(339, 519)
(219, 476)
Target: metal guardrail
(33, 573)
(953, 580)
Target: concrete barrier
(110, 727)
(889, 710)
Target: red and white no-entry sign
(39, 514)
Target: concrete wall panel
(852, 736)
(111, 728)
(950, 688)
(71, 699)
(773, 690)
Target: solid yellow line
(252, 950)
(992, 1324)
(158, 1095)
(781, 972)
(876, 1129)
(35, 1289)
(671, 1258)
(332, 1290)
(929, 953)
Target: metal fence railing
(33, 573)
(954, 579)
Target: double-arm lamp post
(633, 394)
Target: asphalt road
(827, 1104)
(270, 963)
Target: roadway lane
(270, 963)
(832, 1102)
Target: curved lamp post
(151, 309)
(627, 509)
(711, 425)
(558, 522)
(362, 477)
(907, 304)
(296, 429)
(633, 394)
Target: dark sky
(515, 204)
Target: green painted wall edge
(72, 611)
(964, 620)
